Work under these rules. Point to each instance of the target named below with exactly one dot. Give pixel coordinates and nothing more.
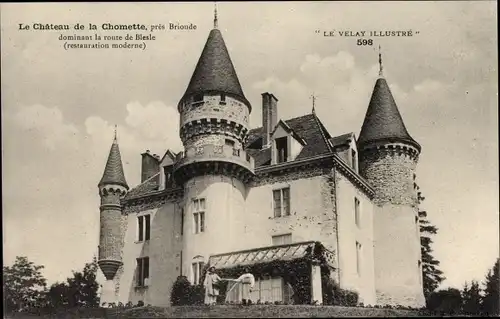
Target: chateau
(240, 196)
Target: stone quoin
(239, 197)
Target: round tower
(213, 167)
(112, 188)
(388, 158)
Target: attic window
(223, 98)
(169, 181)
(282, 149)
(197, 98)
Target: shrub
(197, 295)
(180, 292)
(334, 295)
(185, 294)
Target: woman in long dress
(240, 289)
(211, 292)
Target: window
(229, 142)
(144, 227)
(169, 181)
(358, 258)
(198, 98)
(281, 149)
(197, 271)
(357, 217)
(281, 199)
(142, 272)
(269, 289)
(223, 98)
(353, 160)
(199, 215)
(282, 239)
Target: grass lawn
(231, 311)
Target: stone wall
(110, 232)
(390, 170)
(213, 139)
(212, 108)
(239, 218)
(312, 210)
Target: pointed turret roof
(113, 173)
(383, 122)
(215, 70)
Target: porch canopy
(272, 254)
(300, 264)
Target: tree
(24, 285)
(81, 290)
(57, 296)
(83, 287)
(491, 296)
(447, 301)
(471, 299)
(431, 274)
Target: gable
(167, 159)
(306, 127)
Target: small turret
(112, 188)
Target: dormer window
(169, 181)
(281, 149)
(198, 98)
(223, 98)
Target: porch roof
(267, 254)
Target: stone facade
(212, 107)
(245, 221)
(110, 238)
(390, 168)
(211, 199)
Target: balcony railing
(209, 152)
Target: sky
(59, 107)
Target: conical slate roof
(383, 122)
(215, 70)
(113, 173)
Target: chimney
(269, 116)
(150, 165)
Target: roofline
(321, 126)
(337, 162)
(168, 151)
(294, 134)
(387, 140)
(145, 181)
(101, 183)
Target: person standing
(211, 292)
(247, 281)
